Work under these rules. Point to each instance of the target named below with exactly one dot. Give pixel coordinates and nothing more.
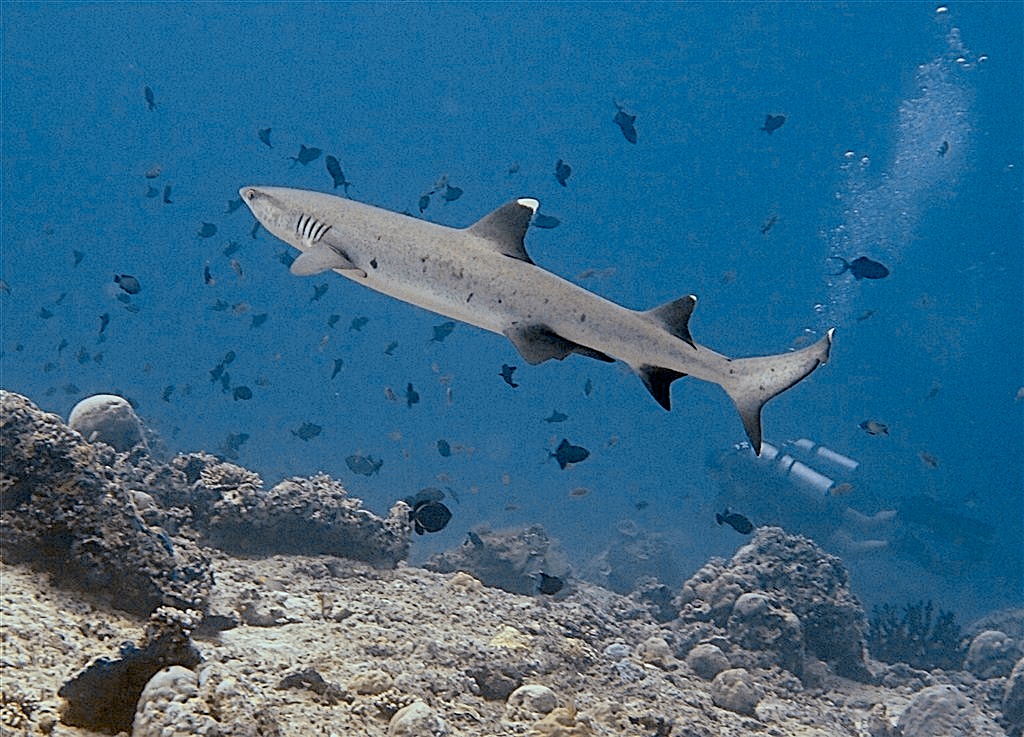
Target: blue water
(491, 96)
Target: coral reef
(913, 636)
(799, 588)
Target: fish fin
(752, 382)
(674, 316)
(719, 518)
(321, 258)
(538, 343)
(846, 265)
(658, 382)
(506, 227)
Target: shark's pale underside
(483, 276)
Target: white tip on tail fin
(753, 381)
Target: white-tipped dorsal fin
(674, 316)
(322, 258)
(506, 227)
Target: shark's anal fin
(505, 228)
(538, 343)
(658, 382)
(674, 316)
(321, 258)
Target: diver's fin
(506, 227)
(674, 316)
(321, 258)
(537, 343)
(751, 382)
(658, 382)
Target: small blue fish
(562, 172)
(862, 268)
(566, 454)
(772, 123)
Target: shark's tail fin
(753, 381)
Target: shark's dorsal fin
(506, 227)
(658, 382)
(674, 316)
(538, 343)
(320, 258)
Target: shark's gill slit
(310, 229)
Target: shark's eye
(310, 229)
(250, 194)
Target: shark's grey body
(483, 276)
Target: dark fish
(944, 148)
(306, 155)
(429, 516)
(365, 465)
(264, 135)
(549, 585)
(567, 453)
(241, 392)
(873, 427)
(104, 321)
(46, 314)
(338, 363)
(588, 387)
(358, 323)
(768, 224)
(233, 205)
(128, 283)
(451, 193)
(506, 374)
(442, 331)
(772, 123)
(167, 195)
(255, 230)
(230, 247)
(152, 192)
(153, 172)
(390, 350)
(208, 277)
(411, 396)
(78, 256)
(444, 449)
(626, 123)
(63, 345)
(473, 539)
(545, 221)
(258, 320)
(556, 416)
(83, 356)
(862, 268)
(229, 358)
(207, 230)
(150, 97)
(865, 315)
(124, 299)
(236, 266)
(168, 390)
(928, 459)
(333, 320)
(307, 431)
(424, 202)
(562, 172)
(642, 505)
(319, 291)
(334, 169)
(225, 382)
(735, 520)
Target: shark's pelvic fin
(506, 227)
(658, 382)
(322, 258)
(754, 381)
(538, 343)
(674, 316)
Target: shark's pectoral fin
(538, 343)
(321, 258)
(674, 316)
(658, 382)
(505, 228)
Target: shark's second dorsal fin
(506, 227)
(674, 316)
(322, 258)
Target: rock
(802, 578)
(656, 651)
(109, 419)
(707, 660)
(530, 702)
(1013, 699)
(943, 710)
(759, 622)
(734, 689)
(416, 720)
(992, 654)
(373, 681)
(495, 680)
(167, 691)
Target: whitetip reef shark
(483, 276)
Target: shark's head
(274, 208)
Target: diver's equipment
(794, 460)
